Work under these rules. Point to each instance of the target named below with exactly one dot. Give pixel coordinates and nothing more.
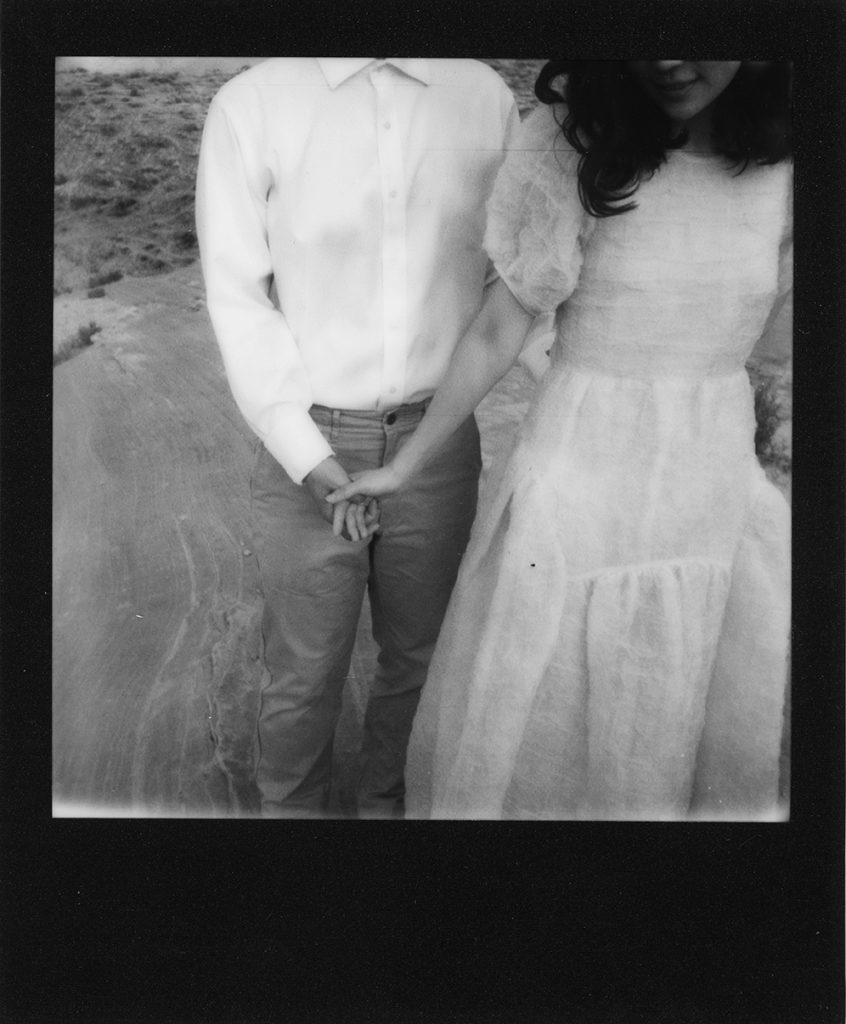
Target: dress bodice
(680, 286)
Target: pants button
(391, 418)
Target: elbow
(506, 342)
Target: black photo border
(252, 921)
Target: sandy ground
(155, 658)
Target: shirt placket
(394, 289)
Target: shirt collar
(338, 69)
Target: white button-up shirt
(340, 216)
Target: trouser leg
(414, 563)
(313, 586)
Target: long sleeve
(263, 365)
(340, 214)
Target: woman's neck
(698, 131)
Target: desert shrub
(82, 339)
(152, 264)
(771, 450)
(185, 239)
(96, 293)
(60, 179)
(121, 206)
(179, 203)
(79, 202)
(108, 278)
(141, 182)
(85, 334)
(109, 130)
(154, 142)
(75, 92)
(97, 179)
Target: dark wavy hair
(623, 136)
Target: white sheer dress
(617, 642)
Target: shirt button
(391, 418)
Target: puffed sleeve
(536, 224)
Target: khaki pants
(314, 585)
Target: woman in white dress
(617, 642)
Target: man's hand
(354, 520)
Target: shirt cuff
(295, 441)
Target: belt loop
(336, 425)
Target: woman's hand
(372, 483)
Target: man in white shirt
(340, 215)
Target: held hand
(361, 519)
(355, 520)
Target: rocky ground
(156, 669)
(155, 587)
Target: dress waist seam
(596, 368)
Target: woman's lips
(673, 88)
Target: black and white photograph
(422, 569)
(568, 598)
